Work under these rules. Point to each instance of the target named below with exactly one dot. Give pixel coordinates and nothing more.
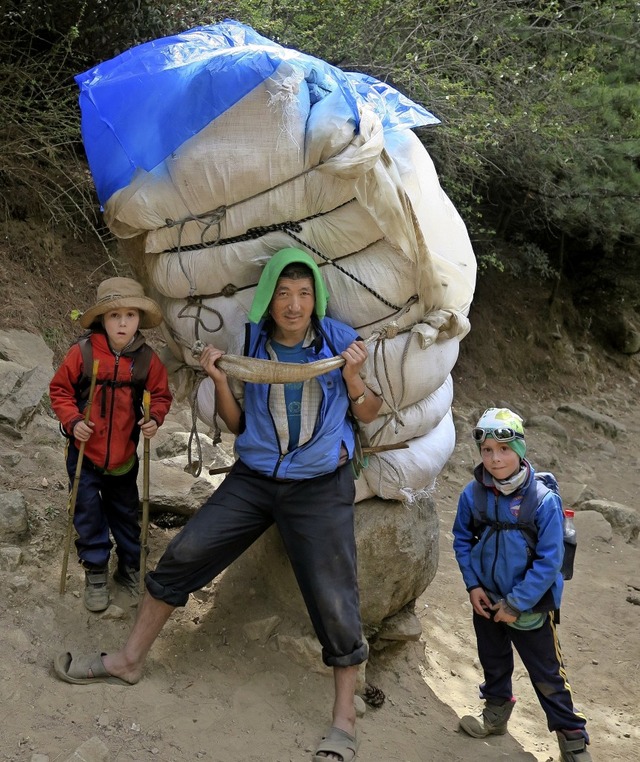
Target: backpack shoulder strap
(528, 507)
(247, 339)
(526, 524)
(479, 507)
(86, 352)
(141, 365)
(141, 362)
(531, 500)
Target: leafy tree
(43, 43)
(539, 102)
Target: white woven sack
(412, 421)
(363, 490)
(405, 373)
(444, 232)
(215, 319)
(203, 173)
(397, 474)
(297, 198)
(208, 270)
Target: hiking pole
(76, 480)
(146, 406)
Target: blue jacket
(500, 561)
(257, 445)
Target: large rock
(14, 523)
(601, 421)
(171, 490)
(397, 559)
(25, 371)
(624, 520)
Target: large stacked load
(217, 147)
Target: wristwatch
(358, 400)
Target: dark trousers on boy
(105, 505)
(540, 652)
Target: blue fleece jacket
(500, 561)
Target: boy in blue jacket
(513, 591)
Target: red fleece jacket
(112, 412)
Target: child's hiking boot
(96, 592)
(493, 721)
(128, 577)
(573, 746)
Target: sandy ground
(209, 693)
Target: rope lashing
(213, 217)
(341, 269)
(290, 227)
(250, 234)
(200, 306)
(194, 467)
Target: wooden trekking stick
(76, 480)
(146, 406)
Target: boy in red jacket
(107, 500)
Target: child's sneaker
(96, 592)
(573, 747)
(493, 721)
(128, 577)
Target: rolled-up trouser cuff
(360, 655)
(166, 594)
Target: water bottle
(570, 543)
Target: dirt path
(210, 694)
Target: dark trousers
(105, 504)
(540, 653)
(315, 520)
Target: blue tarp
(142, 105)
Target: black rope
(346, 272)
(250, 235)
(290, 227)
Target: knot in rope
(229, 290)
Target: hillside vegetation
(538, 147)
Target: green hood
(269, 278)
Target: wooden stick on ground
(146, 406)
(76, 480)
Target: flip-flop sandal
(76, 669)
(337, 742)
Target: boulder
(14, 523)
(25, 371)
(624, 520)
(604, 423)
(171, 490)
(397, 559)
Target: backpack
(543, 483)
(140, 370)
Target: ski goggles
(500, 434)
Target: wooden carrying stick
(76, 481)
(146, 407)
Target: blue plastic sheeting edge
(140, 106)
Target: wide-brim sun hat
(269, 278)
(121, 293)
